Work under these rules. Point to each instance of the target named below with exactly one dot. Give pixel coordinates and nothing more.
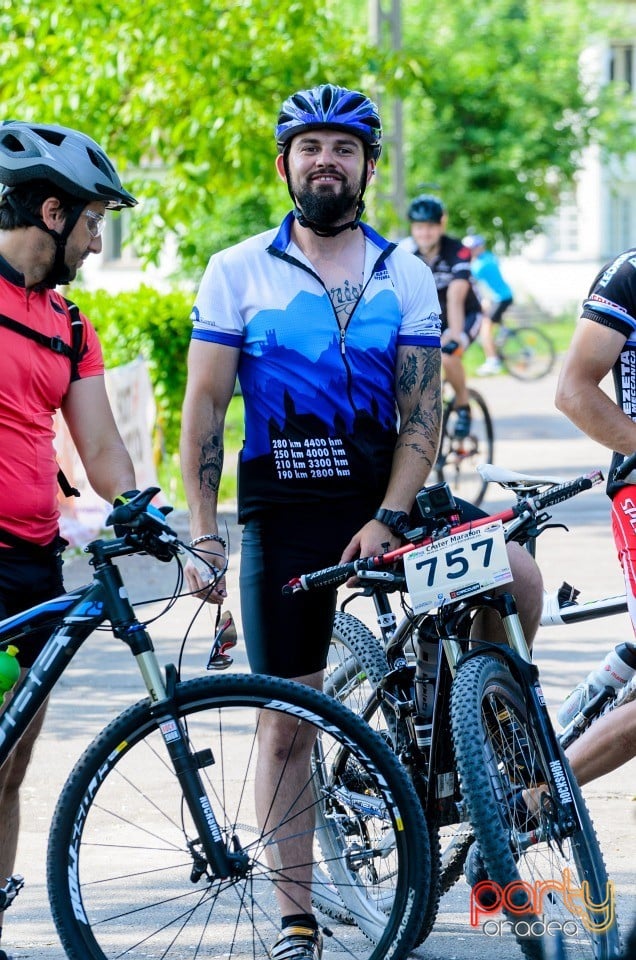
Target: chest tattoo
(344, 299)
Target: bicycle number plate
(457, 567)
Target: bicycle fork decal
(521, 898)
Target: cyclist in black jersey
(450, 263)
(604, 341)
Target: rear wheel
(527, 353)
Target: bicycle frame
(80, 612)
(397, 692)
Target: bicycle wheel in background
(560, 881)
(126, 872)
(527, 353)
(458, 457)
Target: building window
(115, 251)
(621, 64)
(621, 226)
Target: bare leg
(12, 775)
(487, 338)
(527, 588)
(606, 745)
(284, 801)
(456, 376)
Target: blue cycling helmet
(426, 209)
(332, 108)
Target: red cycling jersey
(33, 383)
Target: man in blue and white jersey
(334, 334)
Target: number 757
(457, 565)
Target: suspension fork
(187, 764)
(519, 659)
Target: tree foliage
(184, 95)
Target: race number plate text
(457, 566)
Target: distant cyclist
(486, 271)
(450, 264)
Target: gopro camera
(436, 501)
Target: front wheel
(458, 456)
(548, 880)
(527, 353)
(127, 873)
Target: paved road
(531, 437)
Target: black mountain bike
(469, 722)
(155, 847)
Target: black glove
(119, 501)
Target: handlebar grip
(565, 491)
(328, 577)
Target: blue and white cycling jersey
(320, 412)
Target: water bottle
(425, 677)
(9, 670)
(618, 667)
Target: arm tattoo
(211, 463)
(419, 379)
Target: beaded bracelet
(209, 536)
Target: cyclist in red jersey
(56, 187)
(604, 341)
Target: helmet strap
(59, 272)
(324, 230)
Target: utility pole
(385, 29)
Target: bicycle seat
(513, 480)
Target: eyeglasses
(96, 223)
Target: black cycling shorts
(27, 579)
(499, 311)
(290, 636)
(472, 325)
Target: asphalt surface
(531, 437)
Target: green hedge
(156, 326)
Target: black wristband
(396, 520)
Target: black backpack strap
(56, 344)
(78, 333)
(77, 345)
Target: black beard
(327, 208)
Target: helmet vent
(51, 136)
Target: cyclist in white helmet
(57, 185)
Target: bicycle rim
(538, 878)
(127, 876)
(458, 458)
(527, 353)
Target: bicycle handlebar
(523, 512)
(146, 525)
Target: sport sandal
(297, 943)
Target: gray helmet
(65, 157)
